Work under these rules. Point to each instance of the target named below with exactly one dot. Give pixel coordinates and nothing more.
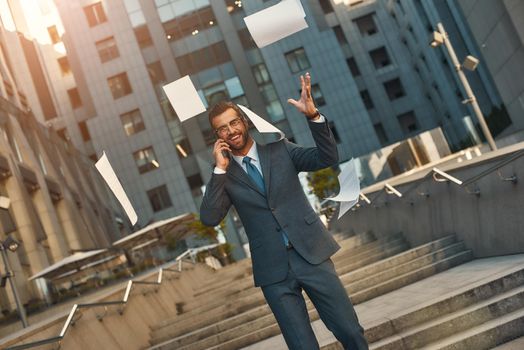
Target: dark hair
(221, 107)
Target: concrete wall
(490, 224)
(127, 331)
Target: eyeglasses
(224, 130)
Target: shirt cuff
(218, 171)
(319, 120)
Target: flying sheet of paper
(300, 6)
(276, 22)
(184, 98)
(260, 123)
(106, 170)
(349, 188)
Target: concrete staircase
(479, 316)
(228, 313)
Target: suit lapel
(236, 171)
(265, 164)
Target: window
(366, 98)
(86, 136)
(341, 37)
(246, 39)
(394, 89)
(63, 62)
(143, 36)
(183, 147)
(145, 160)
(366, 25)
(132, 122)
(318, 97)
(63, 134)
(156, 73)
(95, 14)
(297, 60)
(107, 49)
(159, 198)
(195, 184)
(53, 34)
(74, 98)
(380, 57)
(326, 6)
(334, 131)
(352, 65)
(267, 89)
(408, 122)
(261, 74)
(190, 25)
(202, 59)
(119, 85)
(381, 134)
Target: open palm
(305, 104)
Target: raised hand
(305, 104)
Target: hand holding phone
(221, 154)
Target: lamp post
(441, 37)
(12, 245)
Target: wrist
(314, 116)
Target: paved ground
(417, 295)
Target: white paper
(262, 125)
(300, 6)
(106, 170)
(349, 188)
(184, 98)
(276, 22)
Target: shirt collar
(252, 153)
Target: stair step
(461, 320)
(486, 335)
(516, 344)
(249, 338)
(220, 305)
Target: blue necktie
(257, 178)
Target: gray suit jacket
(284, 206)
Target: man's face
(232, 128)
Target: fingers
(308, 85)
(221, 145)
(293, 102)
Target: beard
(238, 140)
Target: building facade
(104, 62)
(58, 202)
(496, 29)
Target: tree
(323, 183)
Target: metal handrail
(436, 174)
(497, 166)
(70, 321)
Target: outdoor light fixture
(440, 37)
(11, 244)
(470, 63)
(437, 39)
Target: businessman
(290, 247)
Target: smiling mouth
(235, 138)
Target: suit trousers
(324, 288)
